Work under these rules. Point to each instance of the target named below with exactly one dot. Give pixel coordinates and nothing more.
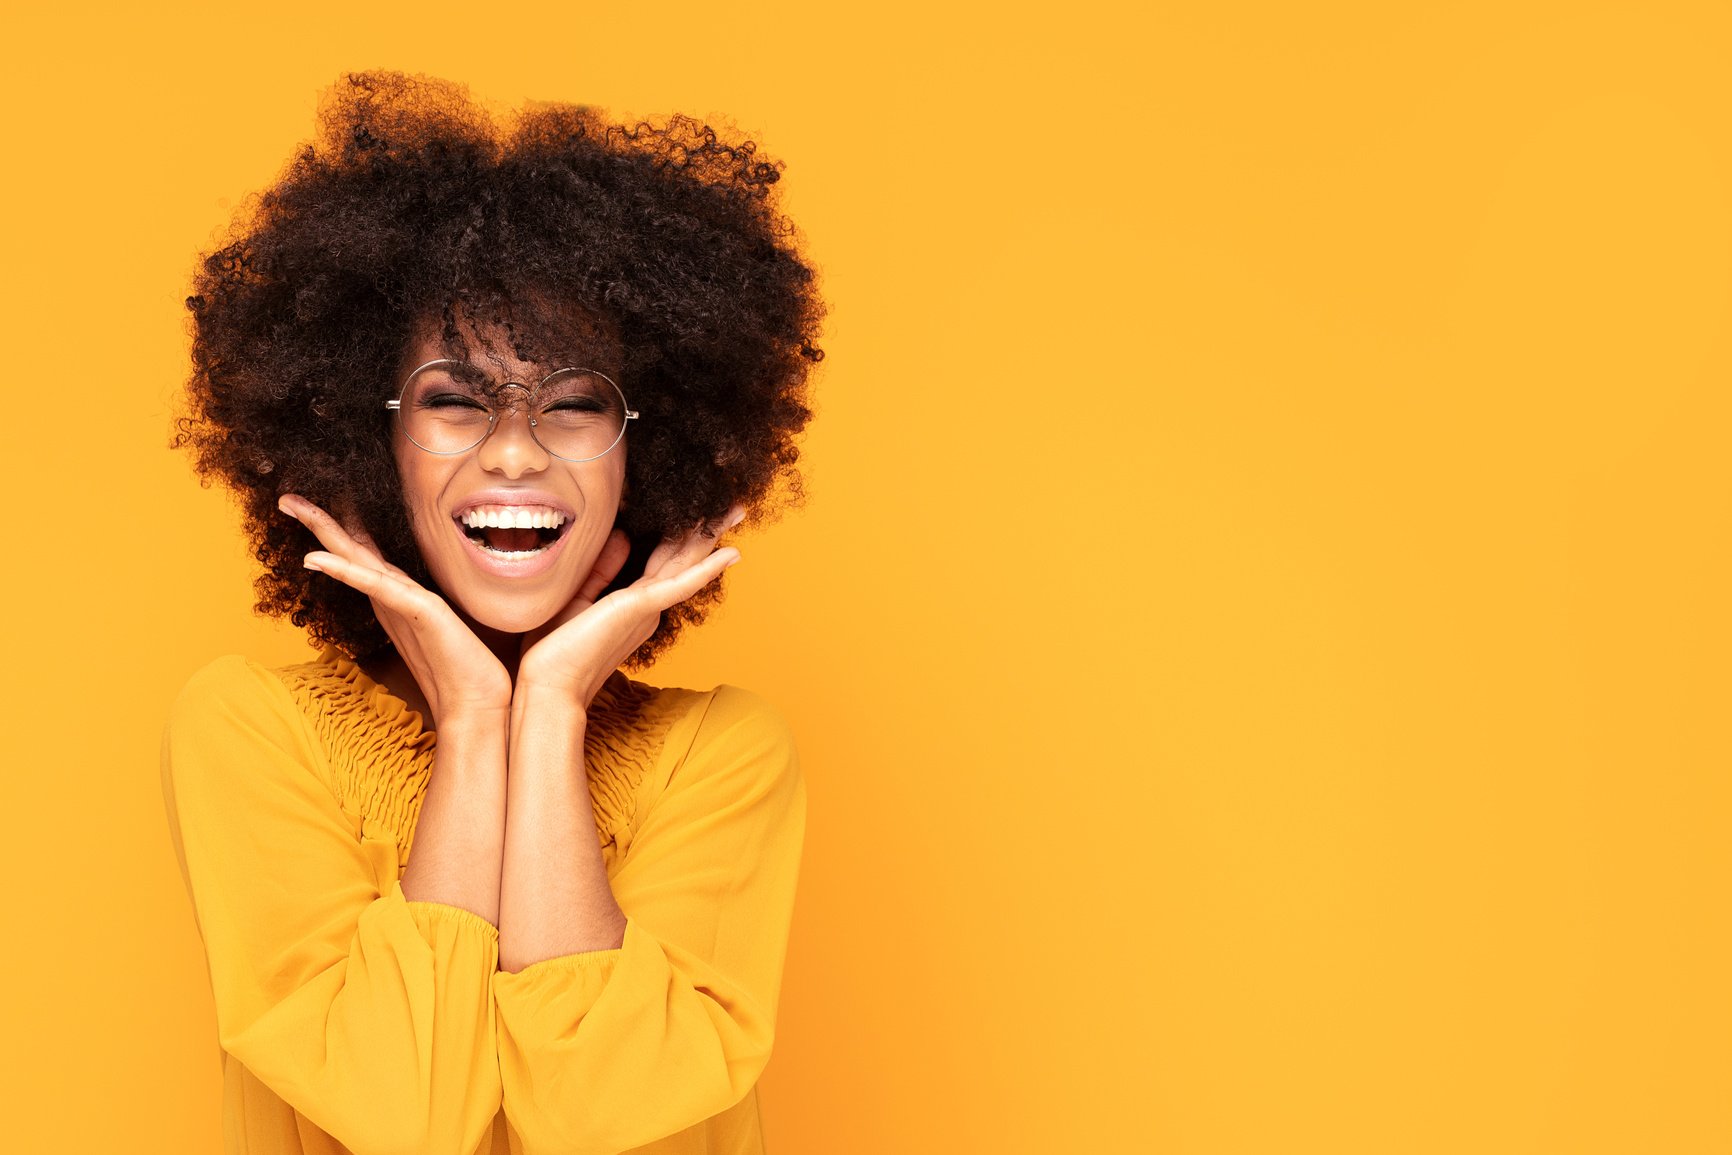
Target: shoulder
(729, 763)
(661, 749)
(673, 721)
(230, 687)
(233, 709)
(741, 736)
(732, 714)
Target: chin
(510, 619)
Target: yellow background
(1258, 639)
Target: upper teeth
(511, 517)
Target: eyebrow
(469, 372)
(458, 367)
(461, 368)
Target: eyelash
(451, 401)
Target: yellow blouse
(353, 1020)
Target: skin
(508, 668)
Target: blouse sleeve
(611, 1049)
(369, 1014)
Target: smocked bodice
(379, 751)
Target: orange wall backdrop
(1258, 638)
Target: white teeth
(512, 517)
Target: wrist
(548, 683)
(473, 704)
(472, 720)
(548, 702)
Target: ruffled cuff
(546, 1002)
(440, 921)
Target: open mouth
(513, 533)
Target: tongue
(513, 540)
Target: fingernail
(732, 562)
(736, 518)
(311, 564)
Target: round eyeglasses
(449, 407)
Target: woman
(489, 396)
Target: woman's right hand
(456, 671)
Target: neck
(508, 648)
(390, 671)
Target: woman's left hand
(573, 654)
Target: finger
(341, 537)
(612, 559)
(398, 594)
(365, 540)
(674, 554)
(329, 531)
(671, 589)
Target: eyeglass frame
(396, 406)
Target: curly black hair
(414, 206)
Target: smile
(513, 534)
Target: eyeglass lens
(448, 407)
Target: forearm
(460, 835)
(554, 897)
(617, 1048)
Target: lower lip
(525, 567)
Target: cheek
(612, 492)
(420, 487)
(619, 482)
(414, 475)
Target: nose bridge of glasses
(508, 401)
(511, 397)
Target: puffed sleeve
(612, 1049)
(368, 1014)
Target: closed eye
(577, 404)
(451, 401)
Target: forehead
(524, 349)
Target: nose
(510, 448)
